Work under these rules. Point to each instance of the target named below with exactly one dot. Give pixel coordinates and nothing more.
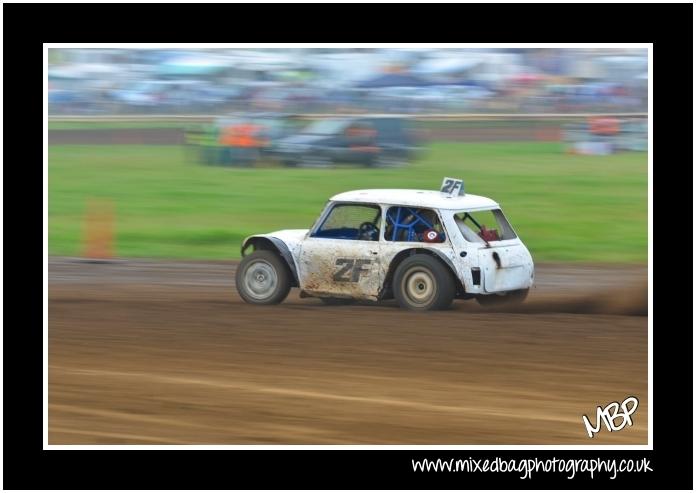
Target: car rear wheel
(422, 283)
(508, 299)
(263, 278)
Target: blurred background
(193, 150)
(160, 162)
(411, 81)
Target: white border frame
(648, 46)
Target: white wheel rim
(260, 280)
(419, 286)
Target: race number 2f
(350, 269)
(452, 187)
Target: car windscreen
(325, 127)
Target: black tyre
(422, 283)
(315, 161)
(263, 278)
(509, 299)
(337, 301)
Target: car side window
(484, 226)
(413, 224)
(351, 222)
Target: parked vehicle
(370, 141)
(175, 94)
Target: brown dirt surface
(118, 136)
(151, 352)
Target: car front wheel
(263, 278)
(422, 283)
(388, 161)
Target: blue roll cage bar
(400, 226)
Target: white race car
(424, 248)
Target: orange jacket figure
(604, 126)
(242, 135)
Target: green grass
(565, 207)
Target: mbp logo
(610, 413)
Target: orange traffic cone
(98, 233)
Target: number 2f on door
(350, 270)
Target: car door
(340, 256)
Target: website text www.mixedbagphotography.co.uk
(527, 467)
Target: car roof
(418, 198)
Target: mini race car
(424, 248)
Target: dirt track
(149, 352)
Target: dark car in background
(370, 141)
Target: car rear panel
(506, 267)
